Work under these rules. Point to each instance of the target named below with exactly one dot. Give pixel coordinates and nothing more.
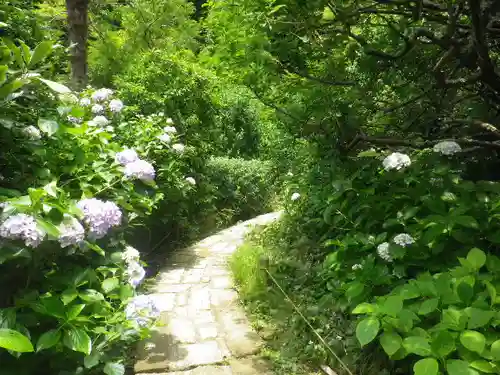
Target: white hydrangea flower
(126, 156)
(141, 170)
(97, 109)
(115, 105)
(101, 95)
(179, 147)
(165, 138)
(99, 121)
(289, 174)
(170, 121)
(397, 161)
(68, 98)
(170, 129)
(403, 239)
(190, 180)
(295, 196)
(131, 254)
(447, 147)
(22, 227)
(135, 273)
(85, 102)
(357, 267)
(32, 133)
(383, 251)
(142, 310)
(71, 232)
(100, 216)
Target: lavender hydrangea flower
(97, 109)
(22, 227)
(142, 310)
(74, 120)
(179, 147)
(71, 232)
(126, 156)
(140, 169)
(135, 273)
(101, 95)
(100, 216)
(115, 105)
(85, 102)
(32, 133)
(100, 121)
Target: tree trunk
(78, 33)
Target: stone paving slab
(202, 326)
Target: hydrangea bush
(72, 300)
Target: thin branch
(491, 129)
(320, 80)
(273, 106)
(409, 101)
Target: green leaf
(91, 295)
(443, 344)
(51, 189)
(367, 330)
(428, 306)
(483, 366)
(77, 339)
(465, 292)
(54, 86)
(426, 366)
(473, 340)
(41, 51)
(110, 284)
(48, 126)
(3, 73)
(495, 350)
(53, 306)
(74, 311)
(364, 308)
(113, 368)
(391, 342)
(15, 341)
(48, 339)
(478, 317)
(48, 227)
(454, 319)
(466, 221)
(69, 295)
(418, 345)
(91, 360)
(477, 258)
(458, 367)
(392, 306)
(354, 290)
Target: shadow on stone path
(204, 329)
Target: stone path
(204, 330)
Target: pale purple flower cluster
(71, 232)
(97, 109)
(32, 133)
(100, 121)
(74, 120)
(100, 216)
(115, 105)
(85, 102)
(101, 95)
(140, 169)
(22, 227)
(142, 310)
(179, 147)
(134, 270)
(126, 156)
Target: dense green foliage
(335, 110)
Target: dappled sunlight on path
(205, 330)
